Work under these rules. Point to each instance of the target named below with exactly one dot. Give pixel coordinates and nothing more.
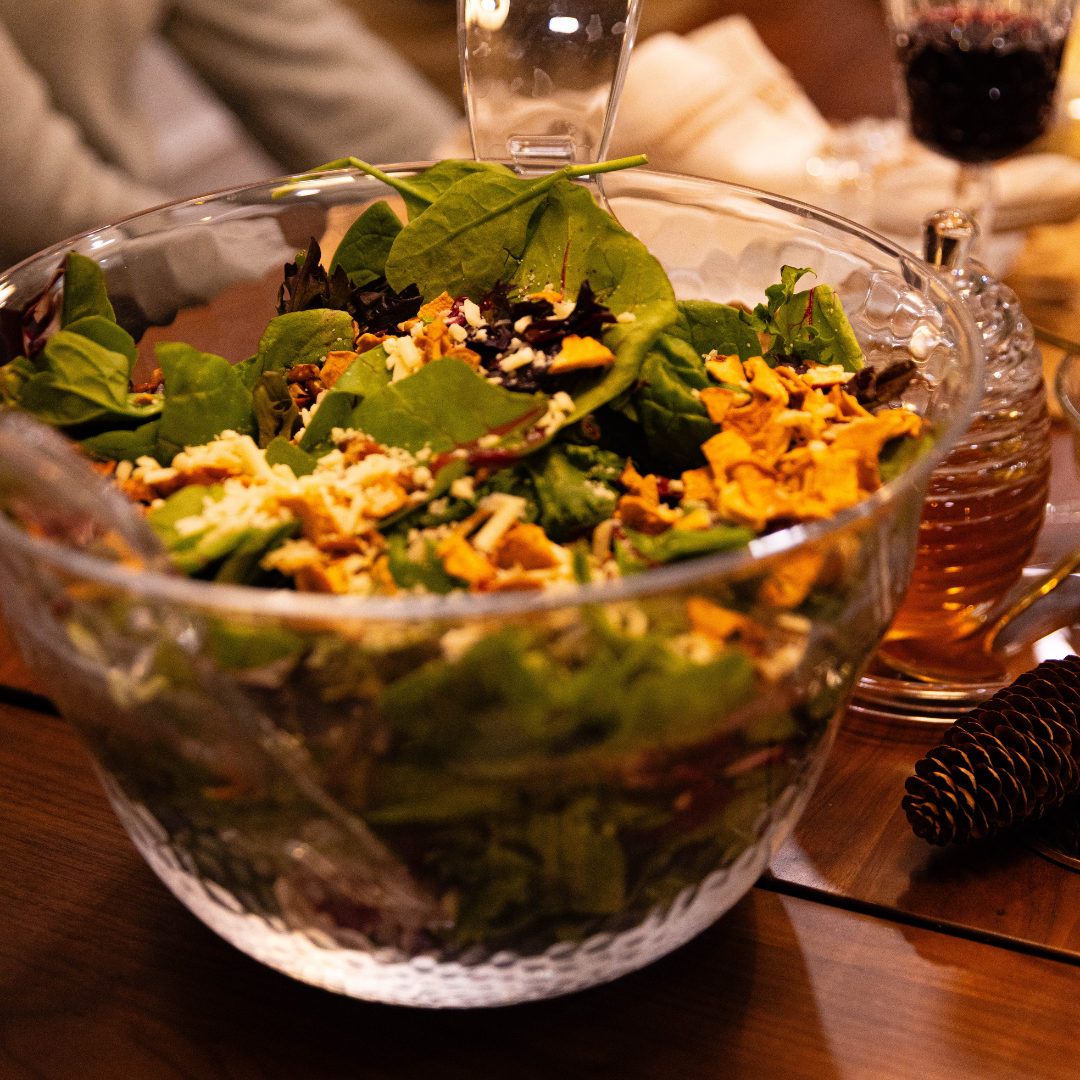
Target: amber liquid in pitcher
(984, 506)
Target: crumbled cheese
(403, 357)
(457, 333)
(559, 408)
(626, 316)
(123, 470)
(821, 375)
(438, 507)
(471, 311)
(486, 442)
(518, 359)
(462, 488)
(505, 510)
(522, 323)
(564, 308)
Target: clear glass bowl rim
(287, 604)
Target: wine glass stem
(974, 193)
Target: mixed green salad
(501, 394)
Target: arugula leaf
(444, 405)
(676, 544)
(82, 381)
(282, 452)
(720, 327)
(204, 396)
(363, 249)
(84, 291)
(124, 445)
(674, 421)
(429, 573)
(274, 407)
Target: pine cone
(1010, 761)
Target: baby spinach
(78, 381)
(363, 249)
(674, 420)
(302, 337)
(84, 291)
(366, 375)
(204, 396)
(709, 326)
(474, 234)
(678, 544)
(444, 405)
(832, 341)
(282, 452)
(124, 445)
(335, 412)
(108, 335)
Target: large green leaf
(81, 381)
(302, 337)
(366, 375)
(204, 396)
(674, 420)
(84, 291)
(124, 445)
(444, 405)
(574, 488)
(431, 183)
(720, 327)
(363, 249)
(108, 335)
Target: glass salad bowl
(461, 800)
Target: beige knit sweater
(304, 77)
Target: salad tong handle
(542, 79)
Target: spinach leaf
(282, 452)
(108, 335)
(204, 396)
(274, 407)
(13, 376)
(363, 249)
(335, 412)
(303, 337)
(444, 405)
(240, 647)
(241, 567)
(82, 381)
(574, 241)
(674, 421)
(474, 234)
(676, 544)
(84, 291)
(429, 572)
(431, 183)
(124, 445)
(366, 375)
(573, 488)
(187, 502)
(720, 327)
(900, 453)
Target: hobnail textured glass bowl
(522, 862)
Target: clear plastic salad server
(542, 79)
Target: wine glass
(979, 80)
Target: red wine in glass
(980, 84)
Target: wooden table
(861, 953)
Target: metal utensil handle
(542, 79)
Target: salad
(502, 394)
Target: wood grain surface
(104, 975)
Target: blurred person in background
(113, 106)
